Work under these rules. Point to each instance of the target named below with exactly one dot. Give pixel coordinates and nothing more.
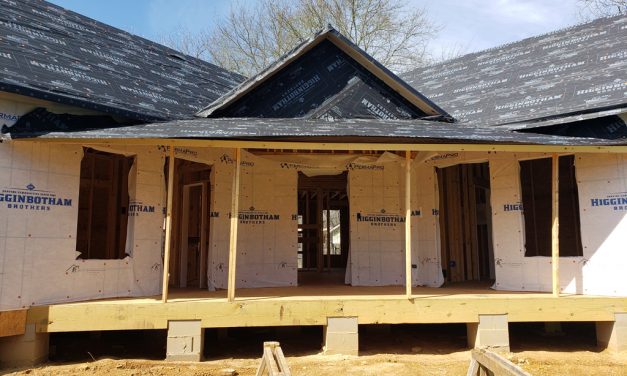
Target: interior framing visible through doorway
(190, 224)
(466, 222)
(323, 229)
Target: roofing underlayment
(329, 77)
(575, 70)
(51, 53)
(345, 130)
(570, 82)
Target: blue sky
(471, 25)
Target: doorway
(323, 229)
(466, 223)
(190, 224)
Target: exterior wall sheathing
(38, 256)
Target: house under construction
(145, 189)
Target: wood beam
(234, 223)
(168, 227)
(342, 146)
(555, 239)
(408, 279)
(275, 307)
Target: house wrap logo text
(31, 199)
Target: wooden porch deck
(311, 305)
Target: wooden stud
(184, 242)
(328, 231)
(234, 223)
(319, 232)
(168, 227)
(555, 240)
(204, 223)
(408, 267)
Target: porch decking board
(302, 306)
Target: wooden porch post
(555, 241)
(234, 223)
(408, 281)
(168, 227)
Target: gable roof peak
(319, 53)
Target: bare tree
(188, 42)
(601, 8)
(250, 38)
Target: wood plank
(168, 227)
(427, 306)
(271, 363)
(555, 238)
(234, 223)
(408, 279)
(497, 364)
(13, 323)
(342, 146)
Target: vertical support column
(168, 228)
(341, 336)
(24, 350)
(185, 341)
(408, 279)
(491, 331)
(234, 223)
(613, 334)
(555, 241)
(329, 231)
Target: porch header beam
(251, 144)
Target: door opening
(190, 224)
(323, 229)
(466, 223)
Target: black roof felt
(325, 76)
(575, 70)
(345, 130)
(51, 53)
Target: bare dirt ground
(400, 350)
(540, 363)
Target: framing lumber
(279, 307)
(555, 238)
(234, 223)
(408, 268)
(328, 204)
(494, 363)
(344, 146)
(168, 228)
(204, 223)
